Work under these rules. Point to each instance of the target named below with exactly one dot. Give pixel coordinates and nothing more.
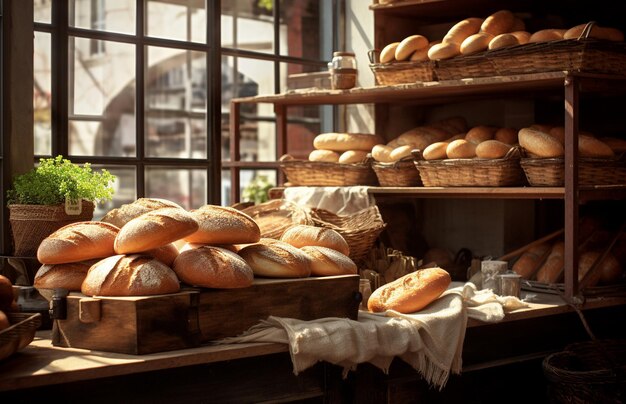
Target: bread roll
(213, 267)
(421, 136)
(388, 54)
(223, 225)
(461, 149)
(558, 132)
(591, 147)
(400, 152)
(353, 157)
(78, 241)
(129, 275)
(409, 45)
(480, 133)
(492, 149)
(550, 271)
(452, 125)
(598, 32)
(527, 263)
(166, 254)
(381, 153)
(277, 260)
(502, 41)
(617, 145)
(410, 293)
(444, 50)
(154, 229)
(461, 30)
(329, 262)
(68, 276)
(127, 212)
(421, 55)
(498, 23)
(541, 127)
(539, 143)
(346, 141)
(522, 36)
(303, 235)
(546, 35)
(475, 43)
(328, 156)
(506, 135)
(435, 151)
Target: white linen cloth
(431, 340)
(339, 200)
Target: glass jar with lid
(343, 70)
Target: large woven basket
(476, 65)
(550, 172)
(277, 215)
(588, 372)
(315, 173)
(360, 229)
(30, 224)
(474, 172)
(19, 334)
(402, 173)
(386, 74)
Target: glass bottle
(343, 70)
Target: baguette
(388, 54)
(302, 235)
(276, 260)
(503, 40)
(435, 151)
(461, 30)
(341, 142)
(444, 50)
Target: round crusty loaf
(78, 241)
(352, 157)
(223, 225)
(411, 292)
(276, 260)
(435, 151)
(129, 275)
(328, 156)
(475, 43)
(461, 149)
(506, 135)
(503, 40)
(346, 141)
(302, 235)
(154, 229)
(329, 262)
(127, 212)
(410, 44)
(492, 149)
(498, 23)
(539, 143)
(213, 267)
(480, 133)
(69, 276)
(166, 254)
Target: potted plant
(50, 196)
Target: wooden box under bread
(148, 324)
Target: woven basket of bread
(277, 215)
(471, 172)
(321, 173)
(401, 173)
(360, 229)
(19, 334)
(458, 67)
(387, 74)
(550, 172)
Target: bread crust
(69, 276)
(411, 292)
(341, 142)
(461, 149)
(328, 262)
(352, 157)
(328, 156)
(213, 267)
(409, 45)
(276, 260)
(540, 143)
(78, 241)
(492, 149)
(223, 225)
(127, 212)
(302, 235)
(498, 23)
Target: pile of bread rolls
(344, 148)
(150, 246)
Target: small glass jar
(343, 70)
(365, 288)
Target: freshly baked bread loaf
(125, 213)
(324, 155)
(452, 126)
(346, 141)
(598, 32)
(519, 25)
(129, 275)
(166, 254)
(329, 262)
(213, 267)
(546, 35)
(522, 36)
(476, 43)
(230, 247)
(411, 292)
(421, 136)
(444, 50)
(589, 146)
(352, 157)
(461, 30)
(503, 40)
(616, 144)
(480, 133)
(381, 153)
(421, 55)
(435, 151)
(540, 143)
(223, 225)
(409, 45)
(277, 260)
(302, 235)
(154, 229)
(400, 152)
(607, 271)
(498, 23)
(558, 132)
(78, 241)
(461, 149)
(492, 149)
(550, 271)
(506, 135)
(388, 54)
(527, 263)
(68, 276)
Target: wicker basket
(19, 334)
(30, 224)
(277, 215)
(459, 67)
(387, 74)
(360, 229)
(550, 172)
(475, 172)
(315, 173)
(402, 173)
(588, 372)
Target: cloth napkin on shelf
(431, 340)
(339, 200)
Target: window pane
(304, 32)
(42, 96)
(176, 102)
(248, 25)
(303, 126)
(42, 11)
(125, 188)
(183, 20)
(258, 141)
(253, 182)
(102, 98)
(294, 76)
(186, 187)
(103, 15)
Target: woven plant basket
(360, 229)
(475, 172)
(402, 173)
(19, 334)
(315, 173)
(588, 372)
(30, 224)
(550, 172)
(277, 215)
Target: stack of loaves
(151, 245)
(345, 148)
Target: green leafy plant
(56, 179)
(257, 189)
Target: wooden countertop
(42, 364)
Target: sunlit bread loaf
(409, 45)
(328, 156)
(276, 260)
(341, 142)
(540, 143)
(461, 149)
(69, 276)
(492, 149)
(498, 23)
(213, 267)
(329, 262)
(223, 225)
(125, 213)
(304, 235)
(78, 241)
(475, 43)
(353, 156)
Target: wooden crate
(148, 324)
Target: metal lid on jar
(343, 54)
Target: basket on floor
(588, 372)
(474, 172)
(318, 173)
(401, 173)
(277, 215)
(19, 334)
(550, 172)
(360, 229)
